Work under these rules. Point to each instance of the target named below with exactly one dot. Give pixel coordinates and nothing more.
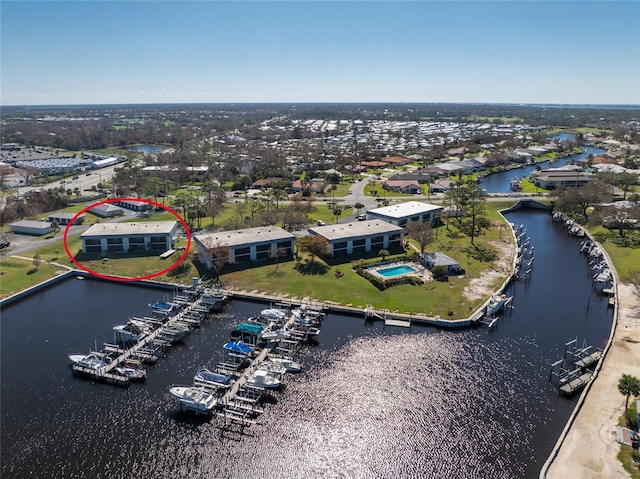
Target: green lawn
(17, 274)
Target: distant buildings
(65, 218)
(554, 177)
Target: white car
(321, 223)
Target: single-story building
(245, 245)
(404, 213)
(397, 161)
(134, 205)
(106, 210)
(31, 227)
(431, 260)
(125, 237)
(403, 186)
(360, 237)
(65, 218)
(441, 186)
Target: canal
(373, 402)
(501, 182)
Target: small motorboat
(262, 379)
(93, 360)
(134, 373)
(289, 364)
(273, 314)
(497, 302)
(272, 368)
(211, 378)
(194, 399)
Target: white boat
(272, 368)
(497, 302)
(129, 333)
(206, 377)
(289, 364)
(273, 314)
(275, 334)
(91, 361)
(132, 372)
(194, 399)
(263, 379)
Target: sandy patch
(484, 286)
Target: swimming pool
(396, 271)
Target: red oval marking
(117, 278)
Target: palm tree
(384, 253)
(628, 386)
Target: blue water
(147, 149)
(501, 182)
(395, 271)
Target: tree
(625, 181)
(628, 386)
(578, 200)
(475, 221)
(36, 261)
(384, 253)
(280, 253)
(315, 245)
(337, 211)
(56, 226)
(358, 206)
(422, 232)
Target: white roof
(245, 236)
(402, 210)
(357, 229)
(125, 229)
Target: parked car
(361, 217)
(321, 223)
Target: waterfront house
(129, 237)
(31, 227)
(245, 245)
(404, 213)
(360, 237)
(554, 177)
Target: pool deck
(418, 270)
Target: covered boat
(211, 378)
(273, 314)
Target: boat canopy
(238, 347)
(249, 328)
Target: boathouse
(126, 237)
(245, 245)
(404, 213)
(360, 237)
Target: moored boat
(497, 302)
(134, 373)
(289, 364)
(194, 399)
(211, 378)
(92, 360)
(263, 379)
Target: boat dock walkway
(574, 370)
(146, 348)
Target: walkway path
(589, 450)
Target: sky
(129, 52)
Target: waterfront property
(245, 245)
(431, 260)
(31, 227)
(396, 270)
(126, 237)
(360, 237)
(554, 177)
(405, 213)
